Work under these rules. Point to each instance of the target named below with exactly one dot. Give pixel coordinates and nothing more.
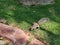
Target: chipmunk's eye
(37, 27)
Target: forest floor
(24, 16)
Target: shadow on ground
(53, 37)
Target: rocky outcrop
(17, 36)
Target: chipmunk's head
(34, 26)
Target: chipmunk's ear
(31, 29)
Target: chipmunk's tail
(43, 20)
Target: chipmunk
(37, 24)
